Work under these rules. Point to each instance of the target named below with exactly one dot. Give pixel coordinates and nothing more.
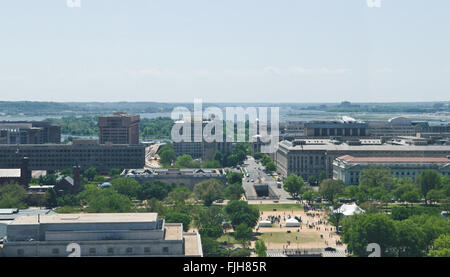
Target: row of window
(110, 251)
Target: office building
(348, 168)
(23, 132)
(119, 128)
(84, 153)
(346, 127)
(310, 157)
(112, 234)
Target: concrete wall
(138, 248)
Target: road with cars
(256, 175)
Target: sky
(225, 50)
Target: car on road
(252, 180)
(330, 249)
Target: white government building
(109, 234)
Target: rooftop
(192, 246)
(13, 172)
(348, 158)
(87, 218)
(327, 145)
(173, 231)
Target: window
(110, 250)
(92, 251)
(165, 250)
(20, 252)
(146, 249)
(129, 250)
(55, 251)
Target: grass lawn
(279, 207)
(228, 238)
(283, 237)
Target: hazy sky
(225, 50)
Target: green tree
(428, 180)
(218, 156)
(243, 233)
(329, 188)
(180, 194)
(12, 196)
(51, 199)
(322, 176)
(360, 230)
(90, 173)
(410, 239)
(243, 252)
(186, 161)
(258, 155)
(167, 156)
(211, 231)
(312, 180)
(376, 177)
(241, 212)
(335, 219)
(210, 248)
(234, 177)
(271, 167)
(114, 172)
(260, 248)
(208, 191)
(105, 200)
(441, 246)
(435, 195)
(126, 186)
(234, 191)
(157, 189)
(176, 217)
(308, 196)
(293, 185)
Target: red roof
(348, 158)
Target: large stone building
(397, 126)
(84, 153)
(113, 234)
(347, 127)
(177, 177)
(24, 132)
(348, 168)
(119, 128)
(310, 157)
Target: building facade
(176, 177)
(119, 128)
(23, 132)
(84, 153)
(311, 157)
(348, 168)
(121, 234)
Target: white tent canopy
(348, 210)
(292, 222)
(265, 223)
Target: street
(256, 173)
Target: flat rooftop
(173, 231)
(192, 244)
(348, 158)
(87, 218)
(383, 147)
(14, 173)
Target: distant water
(28, 118)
